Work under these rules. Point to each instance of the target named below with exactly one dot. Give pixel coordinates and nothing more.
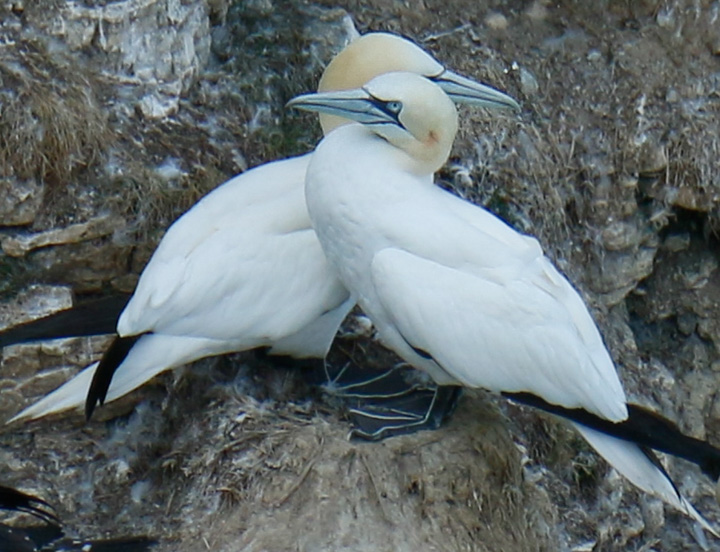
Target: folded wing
(500, 334)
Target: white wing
(150, 356)
(503, 334)
(243, 262)
(242, 269)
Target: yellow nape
(367, 57)
(428, 119)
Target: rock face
(115, 117)
(150, 49)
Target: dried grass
(51, 123)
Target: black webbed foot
(417, 410)
(385, 403)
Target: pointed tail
(69, 395)
(91, 384)
(642, 427)
(103, 375)
(642, 469)
(131, 363)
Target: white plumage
(634, 464)
(451, 288)
(437, 274)
(243, 268)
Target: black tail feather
(93, 317)
(121, 544)
(50, 538)
(643, 427)
(104, 372)
(12, 499)
(17, 539)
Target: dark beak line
(464, 90)
(357, 108)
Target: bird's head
(407, 110)
(374, 54)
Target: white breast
(450, 287)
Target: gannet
(243, 269)
(454, 290)
(14, 500)
(52, 538)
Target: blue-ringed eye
(394, 107)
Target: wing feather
(503, 335)
(243, 262)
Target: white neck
(354, 171)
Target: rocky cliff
(115, 117)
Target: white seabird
(25, 539)
(243, 268)
(450, 287)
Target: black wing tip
(18, 501)
(656, 462)
(12, 499)
(119, 544)
(102, 378)
(97, 392)
(90, 405)
(95, 316)
(643, 427)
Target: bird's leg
(380, 403)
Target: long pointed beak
(466, 91)
(357, 105)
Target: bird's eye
(394, 107)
